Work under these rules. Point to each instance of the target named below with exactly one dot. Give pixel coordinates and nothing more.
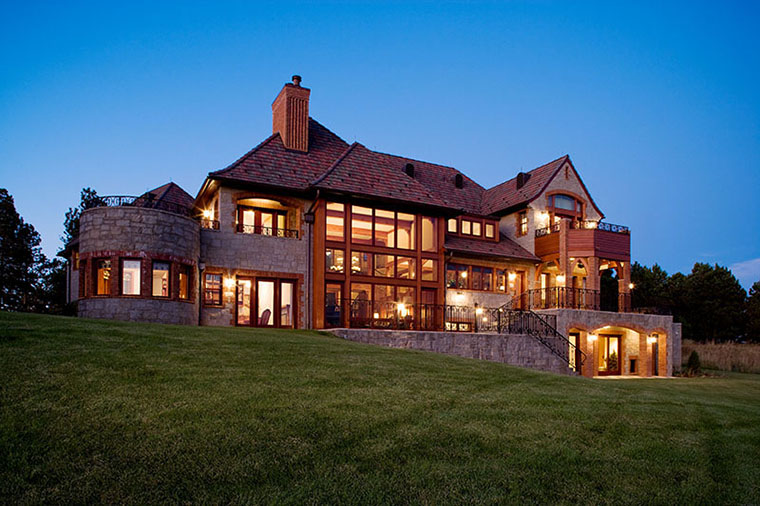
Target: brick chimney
(290, 115)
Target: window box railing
(145, 202)
(209, 224)
(270, 231)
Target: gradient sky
(656, 103)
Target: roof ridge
(335, 164)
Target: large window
(253, 220)
(429, 234)
(385, 266)
(405, 231)
(482, 278)
(385, 228)
(334, 260)
(102, 276)
(335, 221)
(130, 277)
(456, 276)
(361, 225)
(429, 269)
(161, 279)
(405, 268)
(212, 289)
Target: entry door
(428, 313)
(655, 359)
(574, 352)
(608, 355)
(244, 301)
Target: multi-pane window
(456, 276)
(336, 221)
(130, 277)
(490, 230)
(334, 260)
(466, 227)
(184, 281)
(452, 225)
(405, 231)
(429, 234)
(385, 228)
(361, 263)
(102, 276)
(161, 279)
(262, 221)
(482, 278)
(212, 289)
(429, 269)
(476, 226)
(361, 225)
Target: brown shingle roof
(169, 197)
(506, 194)
(270, 163)
(505, 248)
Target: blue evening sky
(656, 103)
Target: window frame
(206, 289)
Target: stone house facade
(308, 231)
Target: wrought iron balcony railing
(146, 202)
(209, 224)
(270, 231)
(585, 225)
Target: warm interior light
(208, 214)
(464, 274)
(485, 318)
(229, 282)
(460, 297)
(631, 285)
(512, 276)
(652, 339)
(561, 279)
(479, 311)
(592, 337)
(376, 316)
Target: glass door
(243, 306)
(287, 304)
(265, 303)
(608, 355)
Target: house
(308, 231)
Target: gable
(567, 180)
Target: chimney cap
(296, 80)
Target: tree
(88, 198)
(51, 286)
(753, 313)
(650, 287)
(714, 303)
(20, 255)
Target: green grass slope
(98, 411)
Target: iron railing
(146, 202)
(558, 297)
(585, 225)
(271, 231)
(209, 224)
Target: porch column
(592, 282)
(644, 361)
(587, 347)
(564, 262)
(624, 288)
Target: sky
(656, 103)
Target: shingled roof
(506, 194)
(169, 197)
(506, 248)
(271, 164)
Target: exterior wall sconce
(512, 276)
(631, 286)
(401, 309)
(561, 279)
(376, 316)
(652, 339)
(592, 337)
(229, 283)
(208, 214)
(479, 311)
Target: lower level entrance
(608, 355)
(266, 302)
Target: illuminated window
(384, 266)
(102, 277)
(405, 231)
(334, 260)
(361, 263)
(335, 221)
(262, 221)
(405, 268)
(452, 225)
(130, 277)
(466, 227)
(522, 223)
(429, 234)
(184, 281)
(501, 280)
(361, 225)
(212, 289)
(490, 231)
(476, 226)
(160, 279)
(429, 269)
(456, 276)
(564, 202)
(385, 228)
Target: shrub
(693, 366)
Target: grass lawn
(98, 411)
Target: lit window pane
(405, 231)
(184, 282)
(405, 268)
(361, 263)
(335, 221)
(429, 234)
(265, 303)
(361, 225)
(385, 227)
(490, 230)
(160, 279)
(476, 228)
(466, 227)
(334, 260)
(384, 266)
(286, 304)
(213, 289)
(429, 270)
(103, 277)
(130, 277)
(452, 225)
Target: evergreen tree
(713, 304)
(753, 313)
(20, 256)
(87, 199)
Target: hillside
(97, 411)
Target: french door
(608, 355)
(266, 302)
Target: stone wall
(518, 350)
(234, 254)
(456, 297)
(145, 234)
(139, 310)
(676, 341)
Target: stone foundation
(519, 350)
(139, 310)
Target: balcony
(560, 297)
(270, 231)
(586, 239)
